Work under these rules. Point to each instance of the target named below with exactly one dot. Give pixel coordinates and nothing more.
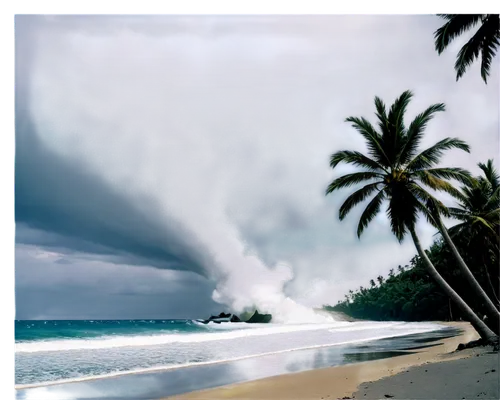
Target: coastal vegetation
(398, 172)
(409, 294)
(459, 275)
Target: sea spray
(243, 281)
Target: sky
(175, 166)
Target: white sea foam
(391, 330)
(219, 333)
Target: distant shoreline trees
(397, 172)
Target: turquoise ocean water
(62, 351)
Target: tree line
(408, 293)
(461, 267)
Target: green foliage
(410, 294)
(482, 44)
(394, 171)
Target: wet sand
(343, 381)
(159, 384)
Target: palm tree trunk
(491, 285)
(491, 309)
(486, 333)
(449, 307)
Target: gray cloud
(197, 142)
(57, 285)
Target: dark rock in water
(221, 315)
(235, 318)
(259, 318)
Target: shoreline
(339, 381)
(197, 364)
(169, 368)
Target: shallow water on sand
(156, 385)
(63, 351)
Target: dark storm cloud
(54, 285)
(224, 125)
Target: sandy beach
(343, 381)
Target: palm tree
(485, 41)
(479, 210)
(479, 206)
(398, 173)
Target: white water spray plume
(244, 283)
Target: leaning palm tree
(485, 41)
(479, 212)
(397, 173)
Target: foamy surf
(219, 332)
(397, 329)
(41, 362)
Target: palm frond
(459, 174)
(431, 156)
(431, 203)
(381, 113)
(357, 197)
(355, 158)
(489, 44)
(461, 198)
(351, 179)
(488, 51)
(456, 25)
(480, 220)
(435, 182)
(427, 213)
(371, 210)
(398, 108)
(416, 132)
(372, 137)
(490, 173)
(394, 135)
(494, 200)
(470, 50)
(459, 213)
(493, 216)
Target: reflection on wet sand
(156, 385)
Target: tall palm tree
(397, 172)
(485, 41)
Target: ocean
(58, 351)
